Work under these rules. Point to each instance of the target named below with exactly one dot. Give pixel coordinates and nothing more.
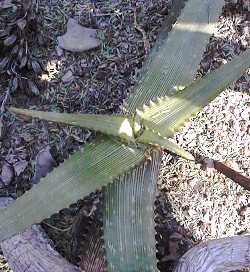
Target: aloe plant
(123, 143)
(98, 163)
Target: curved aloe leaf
(149, 137)
(120, 126)
(129, 233)
(176, 60)
(84, 172)
(173, 62)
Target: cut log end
(226, 254)
(32, 251)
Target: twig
(57, 229)
(37, 6)
(7, 94)
(144, 36)
(103, 14)
(226, 170)
(2, 109)
(232, 174)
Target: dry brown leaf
(20, 166)
(6, 4)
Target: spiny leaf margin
(169, 113)
(121, 126)
(84, 172)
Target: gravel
(205, 203)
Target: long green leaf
(119, 126)
(176, 60)
(84, 172)
(115, 125)
(129, 241)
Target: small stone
(78, 38)
(43, 165)
(68, 77)
(59, 51)
(245, 114)
(7, 174)
(193, 182)
(83, 63)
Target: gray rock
(5, 201)
(43, 165)
(67, 77)
(59, 51)
(78, 38)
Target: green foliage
(84, 172)
(169, 113)
(99, 164)
(172, 62)
(119, 126)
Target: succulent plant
(127, 144)
(101, 162)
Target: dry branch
(232, 174)
(227, 171)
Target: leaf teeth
(139, 112)
(151, 103)
(160, 99)
(145, 107)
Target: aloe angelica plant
(145, 129)
(124, 142)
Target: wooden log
(226, 254)
(32, 251)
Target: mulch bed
(193, 205)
